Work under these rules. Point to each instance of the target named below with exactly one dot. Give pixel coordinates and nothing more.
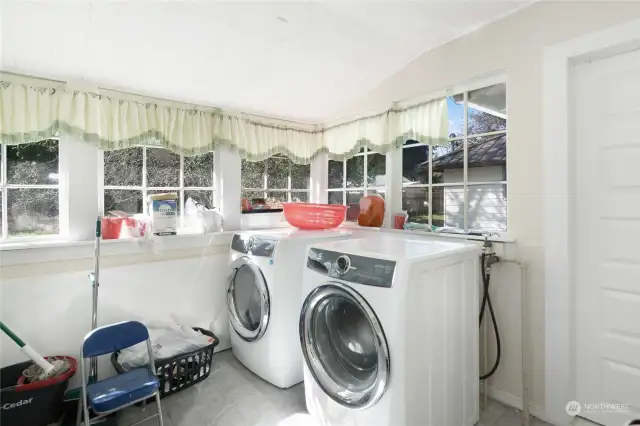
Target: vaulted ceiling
(295, 60)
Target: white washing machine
(264, 299)
(389, 332)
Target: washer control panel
(254, 245)
(352, 268)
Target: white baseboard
(514, 401)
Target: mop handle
(95, 278)
(95, 281)
(28, 350)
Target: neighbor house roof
(491, 151)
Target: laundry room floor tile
(234, 396)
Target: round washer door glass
(248, 299)
(344, 345)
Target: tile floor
(233, 396)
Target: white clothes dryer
(264, 300)
(389, 332)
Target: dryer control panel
(352, 268)
(254, 245)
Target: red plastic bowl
(314, 216)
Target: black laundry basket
(31, 404)
(181, 371)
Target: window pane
(455, 104)
(252, 195)
(353, 204)
(252, 174)
(448, 206)
(488, 207)
(487, 156)
(353, 197)
(355, 172)
(487, 109)
(416, 202)
(123, 167)
(448, 162)
(300, 197)
(376, 169)
(32, 211)
(163, 168)
(129, 201)
(202, 197)
(335, 197)
(275, 199)
(380, 192)
(198, 171)
(278, 173)
(33, 163)
(300, 176)
(415, 165)
(336, 174)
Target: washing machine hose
(486, 302)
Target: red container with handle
(314, 216)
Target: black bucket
(35, 404)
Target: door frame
(559, 209)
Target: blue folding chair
(107, 396)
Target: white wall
(515, 45)
(50, 307)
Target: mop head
(35, 373)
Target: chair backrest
(113, 337)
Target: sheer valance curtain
(34, 110)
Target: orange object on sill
(371, 211)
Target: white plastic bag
(200, 219)
(165, 343)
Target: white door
(607, 130)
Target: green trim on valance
(113, 120)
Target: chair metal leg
(79, 413)
(160, 420)
(85, 404)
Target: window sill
(20, 253)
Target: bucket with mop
(31, 392)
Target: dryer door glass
(248, 299)
(344, 345)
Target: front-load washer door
(344, 345)
(248, 299)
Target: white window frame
(465, 138)
(265, 187)
(144, 188)
(5, 186)
(364, 189)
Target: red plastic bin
(314, 216)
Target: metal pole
(524, 332)
(95, 283)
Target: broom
(42, 369)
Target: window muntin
(462, 184)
